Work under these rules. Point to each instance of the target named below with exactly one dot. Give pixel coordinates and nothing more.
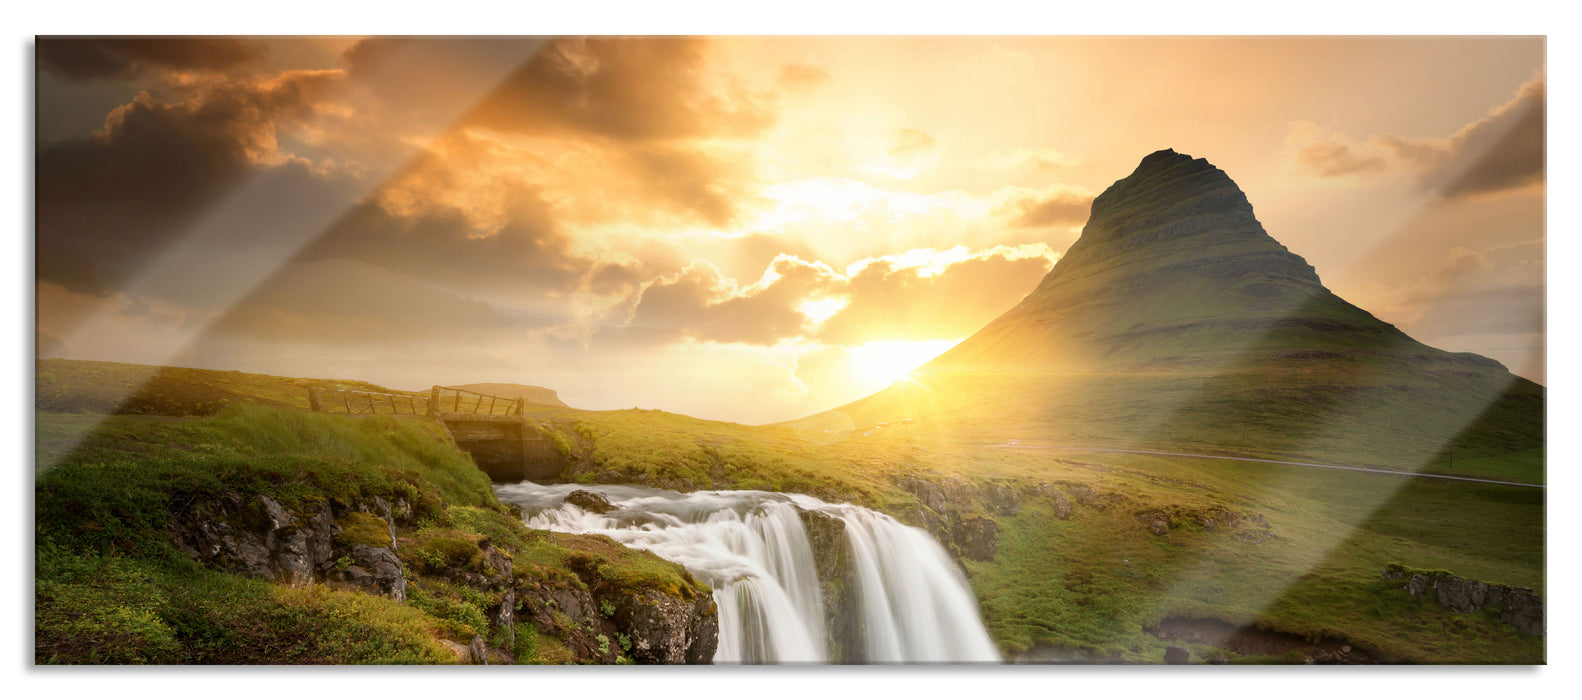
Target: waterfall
(909, 602)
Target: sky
(745, 229)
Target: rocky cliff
(583, 602)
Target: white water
(750, 546)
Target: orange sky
(742, 229)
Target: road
(1391, 472)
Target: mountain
(1177, 322)
(533, 394)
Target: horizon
(751, 230)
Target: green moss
(362, 528)
(435, 550)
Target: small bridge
(493, 429)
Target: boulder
(1003, 500)
(976, 537)
(375, 570)
(1062, 505)
(255, 535)
(1524, 611)
(590, 501)
(667, 629)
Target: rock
(832, 561)
(975, 536)
(1418, 584)
(1345, 648)
(927, 492)
(478, 652)
(666, 629)
(1518, 607)
(589, 501)
(1003, 500)
(255, 535)
(1062, 506)
(1159, 527)
(1523, 610)
(1176, 654)
(960, 493)
(1461, 595)
(375, 570)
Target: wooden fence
(440, 399)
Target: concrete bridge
(493, 429)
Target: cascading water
(912, 604)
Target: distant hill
(1176, 321)
(532, 394)
(90, 386)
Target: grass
(1096, 582)
(111, 588)
(86, 386)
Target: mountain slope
(1177, 322)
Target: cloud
(356, 303)
(1503, 151)
(1495, 291)
(893, 298)
(107, 202)
(800, 76)
(99, 58)
(626, 90)
(917, 295)
(912, 142)
(701, 304)
(1055, 206)
(1331, 155)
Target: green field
(1096, 583)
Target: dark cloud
(353, 302)
(1502, 151)
(1061, 207)
(95, 58)
(107, 202)
(435, 79)
(444, 247)
(625, 89)
(701, 304)
(687, 181)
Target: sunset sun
(889, 360)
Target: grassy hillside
(1096, 582)
(111, 587)
(1099, 582)
(86, 386)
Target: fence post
(433, 400)
(313, 401)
